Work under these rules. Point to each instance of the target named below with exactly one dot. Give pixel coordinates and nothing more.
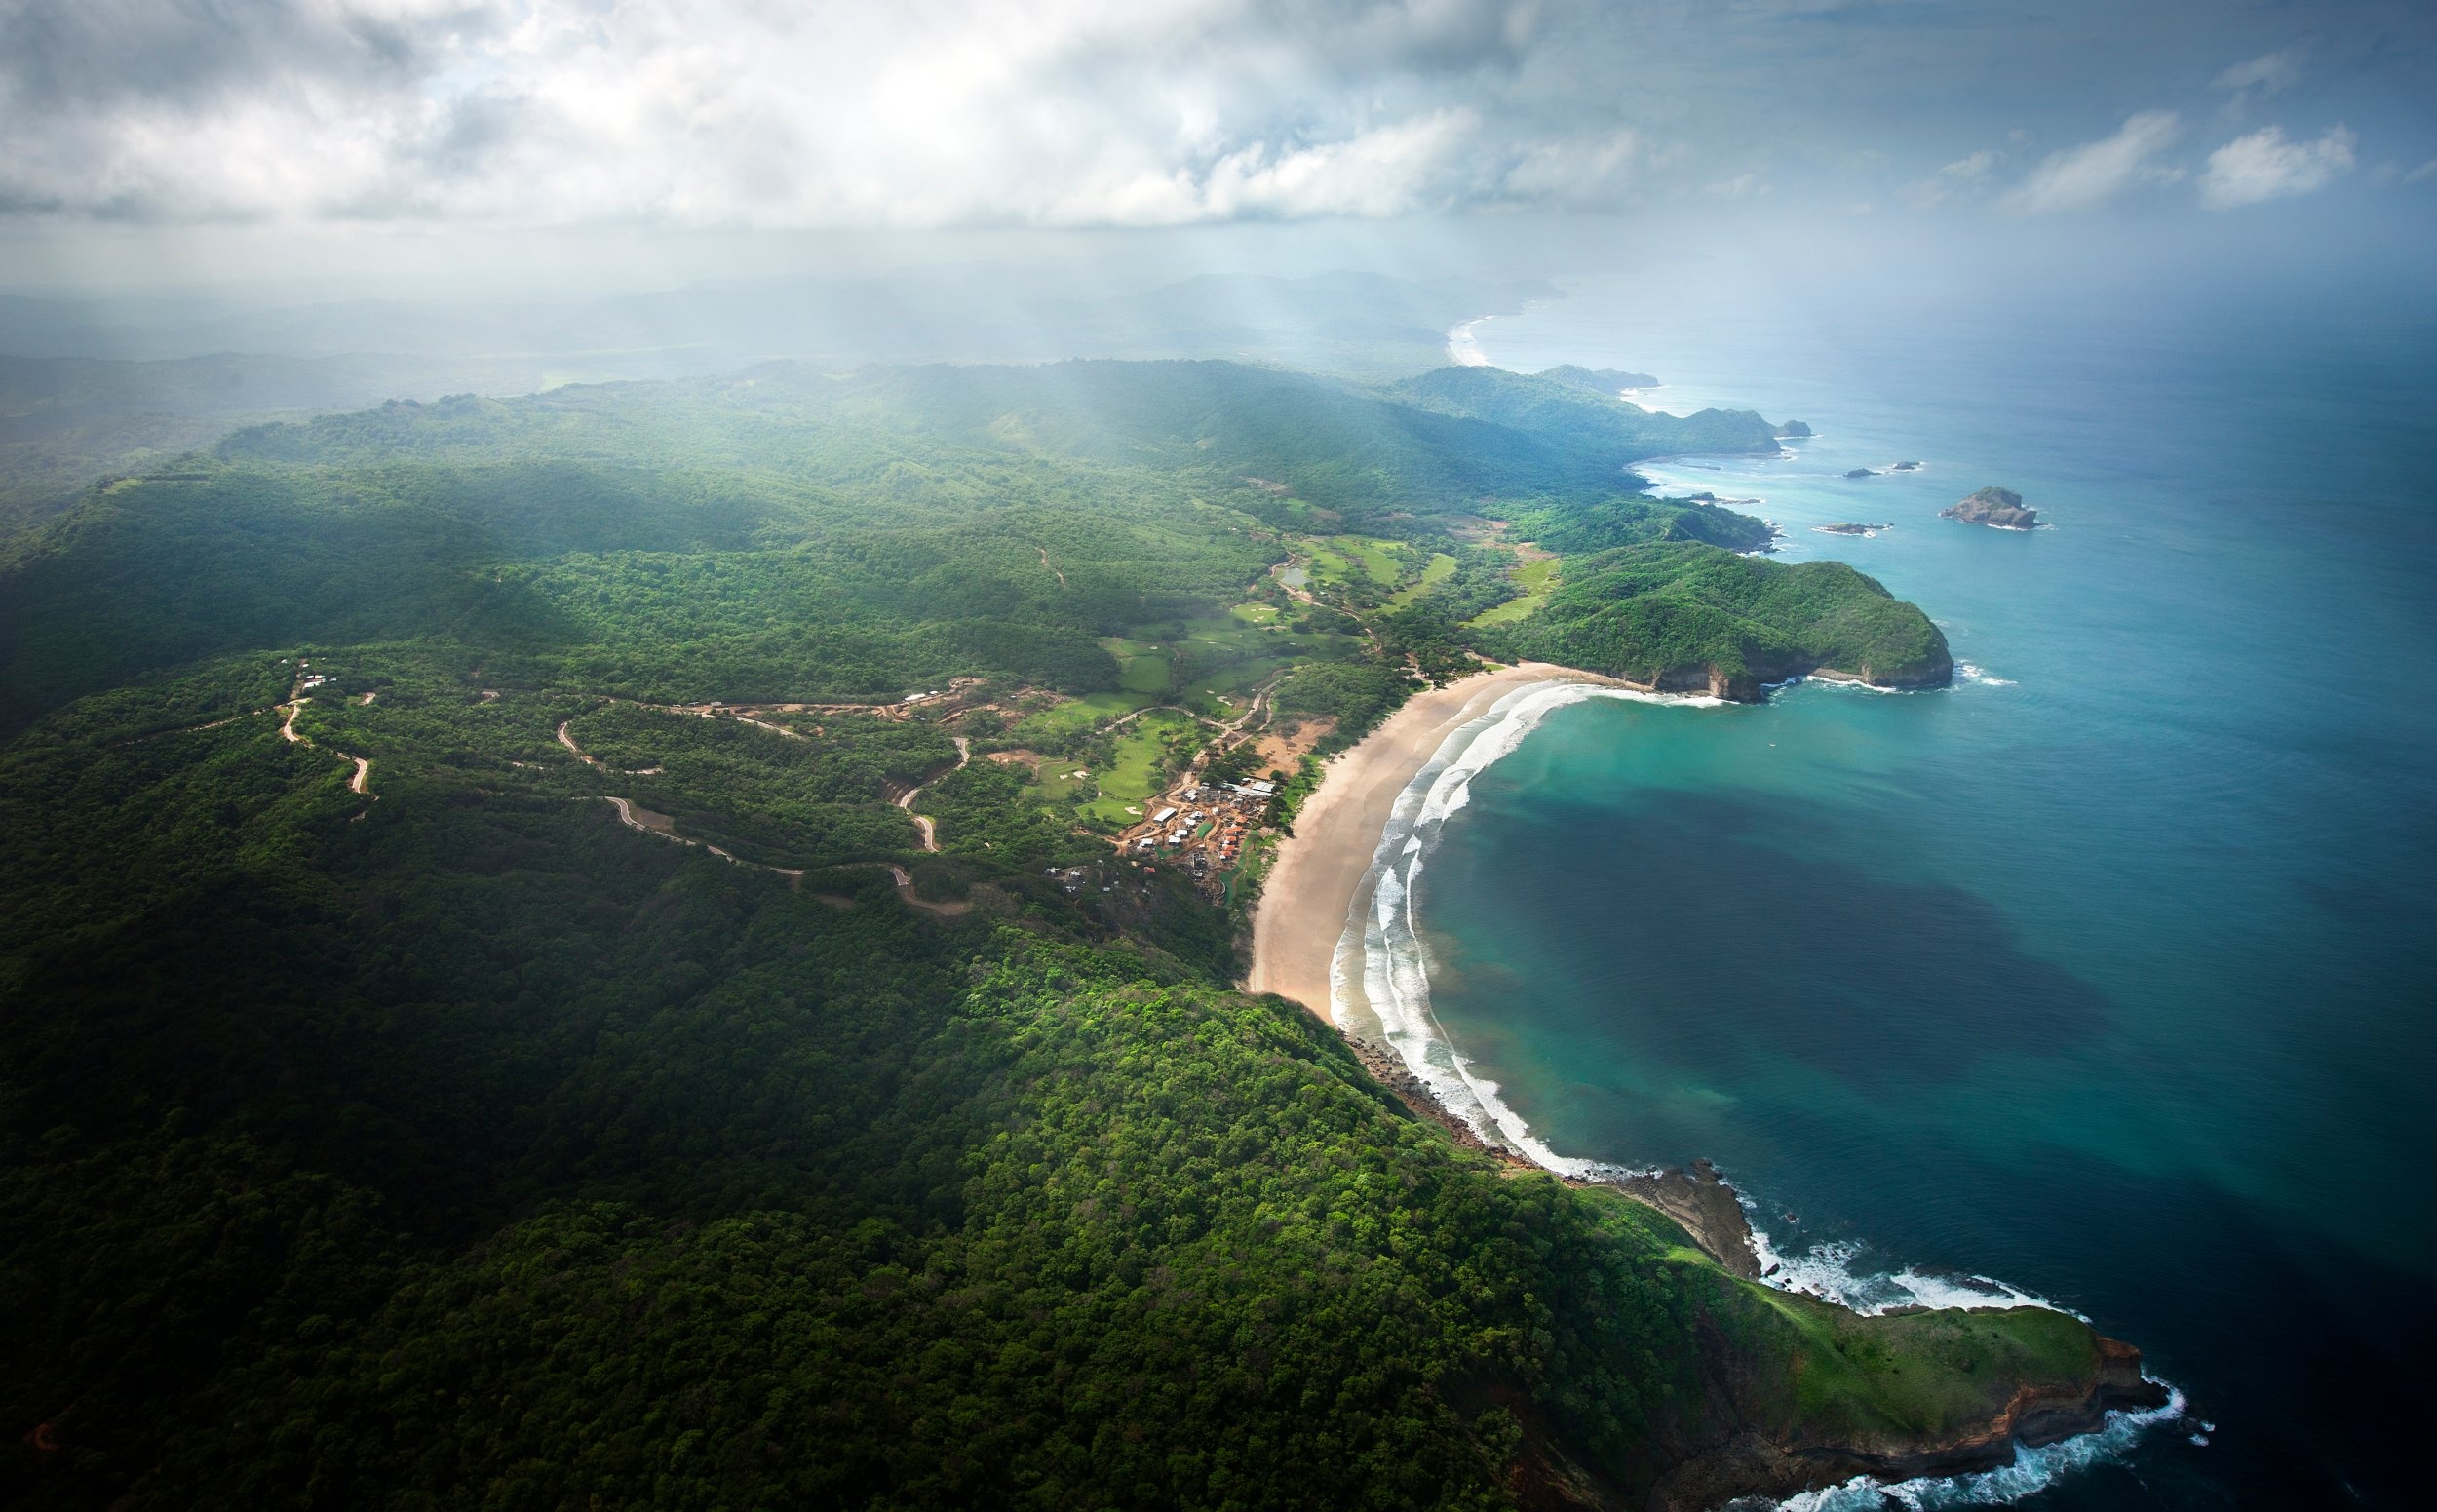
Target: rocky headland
(1600, 380)
(1776, 1463)
(2001, 508)
(1685, 617)
(1769, 1446)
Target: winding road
(930, 830)
(359, 783)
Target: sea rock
(1861, 472)
(2000, 508)
(1905, 467)
(1850, 528)
(1793, 430)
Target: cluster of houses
(1205, 825)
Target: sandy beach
(1305, 902)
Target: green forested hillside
(388, 1118)
(1686, 614)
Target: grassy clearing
(1342, 558)
(1537, 580)
(1139, 767)
(1080, 715)
(1055, 780)
(1441, 567)
(1928, 1371)
(1142, 665)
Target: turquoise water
(2108, 973)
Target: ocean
(2107, 977)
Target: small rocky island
(1793, 430)
(2000, 508)
(1861, 472)
(1850, 528)
(1905, 467)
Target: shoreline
(1310, 891)
(1327, 869)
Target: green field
(1441, 567)
(1142, 665)
(1076, 714)
(1055, 781)
(1342, 558)
(1536, 580)
(1134, 773)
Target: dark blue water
(2111, 973)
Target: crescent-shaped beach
(1320, 866)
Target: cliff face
(1756, 1461)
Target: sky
(158, 129)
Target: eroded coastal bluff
(1795, 1393)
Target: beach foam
(1827, 1272)
(1393, 973)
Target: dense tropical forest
(565, 951)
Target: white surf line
(1380, 963)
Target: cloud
(1970, 170)
(2093, 173)
(743, 112)
(2267, 74)
(1582, 171)
(1962, 175)
(2265, 166)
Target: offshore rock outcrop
(2000, 508)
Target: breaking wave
(1380, 956)
(1827, 1271)
(2033, 1470)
